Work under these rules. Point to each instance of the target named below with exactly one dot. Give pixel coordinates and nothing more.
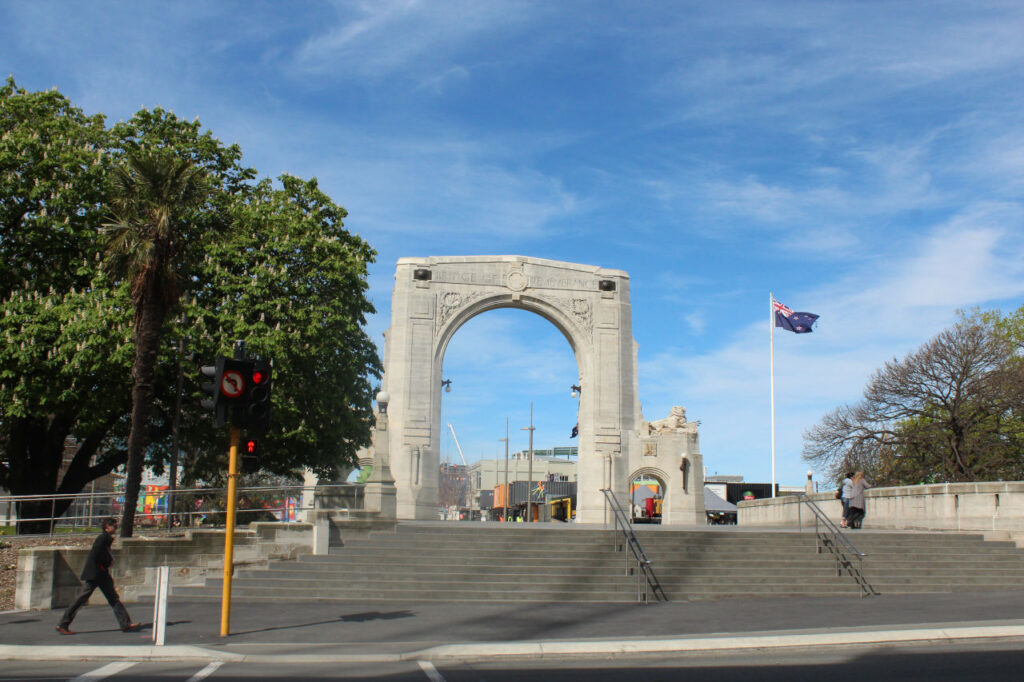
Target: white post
(163, 577)
(771, 336)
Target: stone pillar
(309, 482)
(380, 494)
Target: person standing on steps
(846, 493)
(856, 515)
(97, 574)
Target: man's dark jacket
(100, 558)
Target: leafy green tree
(272, 263)
(151, 201)
(291, 281)
(64, 347)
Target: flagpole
(771, 335)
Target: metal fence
(166, 509)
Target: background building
(556, 464)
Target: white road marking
(103, 673)
(430, 671)
(206, 672)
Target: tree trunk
(35, 452)
(148, 328)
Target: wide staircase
(551, 563)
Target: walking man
(97, 574)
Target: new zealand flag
(798, 323)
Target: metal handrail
(90, 507)
(835, 540)
(644, 566)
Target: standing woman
(858, 485)
(847, 493)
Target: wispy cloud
(424, 40)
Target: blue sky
(863, 160)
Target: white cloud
(697, 321)
(378, 39)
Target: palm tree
(150, 200)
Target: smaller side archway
(647, 491)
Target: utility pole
(529, 484)
(229, 525)
(504, 511)
(172, 482)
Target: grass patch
(82, 530)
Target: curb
(714, 643)
(521, 650)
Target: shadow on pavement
(354, 618)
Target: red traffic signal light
(250, 455)
(257, 396)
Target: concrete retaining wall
(946, 506)
(47, 577)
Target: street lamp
(576, 390)
(529, 485)
(447, 383)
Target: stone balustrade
(997, 506)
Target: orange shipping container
(499, 496)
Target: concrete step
(627, 595)
(465, 562)
(534, 568)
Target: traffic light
(234, 389)
(250, 455)
(239, 391)
(257, 397)
(212, 389)
(227, 392)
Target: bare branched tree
(951, 411)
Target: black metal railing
(646, 581)
(829, 536)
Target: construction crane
(459, 447)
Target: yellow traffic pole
(229, 535)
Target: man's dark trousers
(106, 585)
(96, 573)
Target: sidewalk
(382, 631)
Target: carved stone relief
(579, 310)
(452, 301)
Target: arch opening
(647, 492)
(500, 362)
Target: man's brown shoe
(132, 627)
(64, 631)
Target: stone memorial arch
(433, 297)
